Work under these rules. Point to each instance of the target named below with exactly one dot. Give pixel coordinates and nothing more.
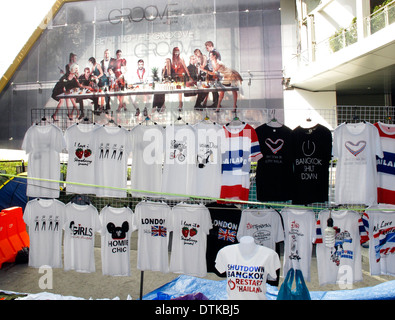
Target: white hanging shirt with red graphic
(386, 165)
(356, 145)
(81, 165)
(239, 147)
(152, 221)
(264, 225)
(191, 223)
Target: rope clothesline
(196, 197)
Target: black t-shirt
(312, 148)
(225, 219)
(274, 170)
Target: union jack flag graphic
(226, 235)
(158, 231)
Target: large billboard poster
(141, 39)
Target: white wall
(320, 107)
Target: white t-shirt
(116, 229)
(299, 228)
(112, 147)
(208, 166)
(264, 225)
(179, 172)
(153, 220)
(190, 225)
(81, 165)
(356, 146)
(341, 264)
(147, 155)
(43, 145)
(380, 222)
(45, 219)
(246, 278)
(82, 221)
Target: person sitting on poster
(96, 75)
(209, 67)
(106, 64)
(65, 84)
(86, 82)
(230, 78)
(140, 77)
(194, 77)
(159, 99)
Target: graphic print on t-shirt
(179, 150)
(294, 234)
(83, 154)
(275, 146)
(79, 231)
(115, 151)
(41, 224)
(244, 278)
(188, 232)
(355, 148)
(338, 252)
(119, 243)
(384, 235)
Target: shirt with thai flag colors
(386, 165)
(239, 147)
(342, 263)
(379, 222)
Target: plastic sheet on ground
(216, 290)
(183, 285)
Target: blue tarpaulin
(216, 290)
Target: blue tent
(13, 193)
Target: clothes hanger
(112, 123)
(273, 121)
(236, 121)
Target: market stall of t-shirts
(194, 181)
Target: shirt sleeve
(220, 261)
(255, 148)
(377, 143)
(273, 266)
